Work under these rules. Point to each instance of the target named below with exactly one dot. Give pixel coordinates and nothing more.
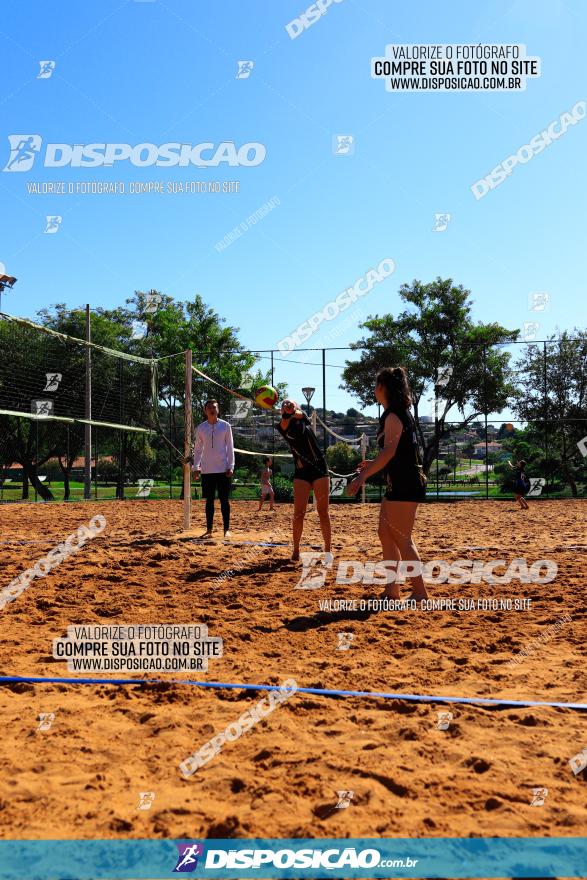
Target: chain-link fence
(466, 452)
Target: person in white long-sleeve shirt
(214, 461)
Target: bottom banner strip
(304, 858)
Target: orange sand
(82, 778)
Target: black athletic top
(303, 443)
(406, 464)
(521, 482)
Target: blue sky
(155, 72)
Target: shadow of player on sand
(324, 618)
(226, 576)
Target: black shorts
(213, 482)
(406, 489)
(310, 473)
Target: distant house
(464, 436)
(492, 446)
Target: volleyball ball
(266, 397)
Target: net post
(88, 412)
(187, 443)
(314, 424)
(363, 455)
(325, 438)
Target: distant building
(464, 436)
(492, 446)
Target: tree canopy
(122, 391)
(450, 358)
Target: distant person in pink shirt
(266, 487)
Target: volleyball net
(53, 384)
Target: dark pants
(211, 483)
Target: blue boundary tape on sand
(323, 692)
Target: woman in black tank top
(405, 481)
(311, 473)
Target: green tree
(436, 333)
(523, 444)
(552, 398)
(342, 458)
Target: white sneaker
(228, 534)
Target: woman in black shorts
(311, 472)
(405, 480)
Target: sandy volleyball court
(83, 776)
